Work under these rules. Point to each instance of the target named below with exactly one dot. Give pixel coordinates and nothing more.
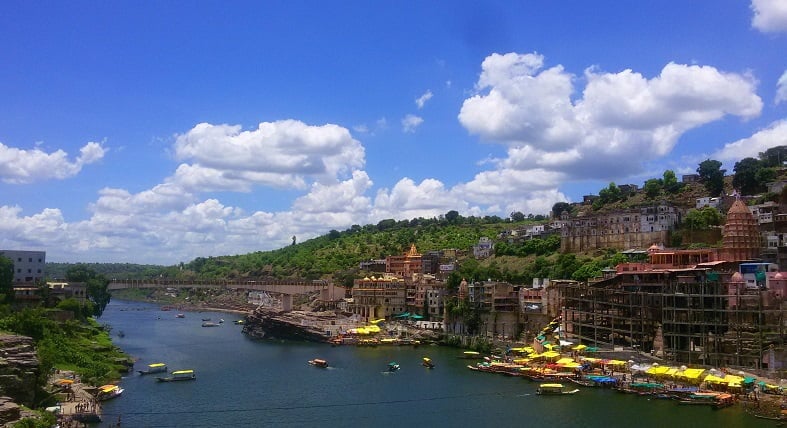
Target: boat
(209, 324)
(427, 362)
(180, 316)
(107, 392)
(154, 368)
(206, 319)
(221, 321)
(239, 322)
(554, 389)
(724, 400)
(178, 375)
(703, 398)
(319, 363)
(470, 355)
(393, 366)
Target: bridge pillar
(286, 302)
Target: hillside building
(29, 266)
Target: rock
(18, 368)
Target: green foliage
(701, 219)
(652, 188)
(6, 279)
(43, 420)
(773, 157)
(96, 284)
(608, 195)
(534, 246)
(670, 182)
(712, 176)
(559, 207)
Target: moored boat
(554, 389)
(178, 375)
(317, 362)
(107, 392)
(154, 368)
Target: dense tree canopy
(6, 279)
(712, 176)
(96, 284)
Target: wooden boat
(319, 363)
(239, 322)
(209, 324)
(554, 389)
(206, 319)
(393, 366)
(154, 368)
(427, 362)
(180, 316)
(704, 398)
(107, 392)
(470, 355)
(724, 400)
(178, 375)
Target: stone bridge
(285, 288)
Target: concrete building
(374, 298)
(708, 306)
(29, 266)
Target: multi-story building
(483, 249)
(28, 265)
(620, 230)
(406, 264)
(374, 298)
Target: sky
(157, 132)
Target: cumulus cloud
(421, 101)
(411, 122)
(285, 153)
(19, 166)
(531, 110)
(774, 135)
(769, 15)
(408, 200)
(781, 89)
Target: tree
(6, 279)
(517, 216)
(745, 178)
(452, 217)
(712, 176)
(774, 156)
(652, 188)
(670, 181)
(560, 208)
(97, 286)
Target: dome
(736, 277)
(778, 276)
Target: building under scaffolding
(690, 306)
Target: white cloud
(421, 101)
(781, 88)
(773, 136)
(769, 15)
(411, 122)
(19, 166)
(286, 153)
(531, 110)
(409, 200)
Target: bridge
(285, 288)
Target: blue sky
(157, 132)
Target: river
(247, 383)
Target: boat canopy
(156, 365)
(182, 372)
(107, 388)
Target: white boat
(554, 389)
(209, 324)
(107, 392)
